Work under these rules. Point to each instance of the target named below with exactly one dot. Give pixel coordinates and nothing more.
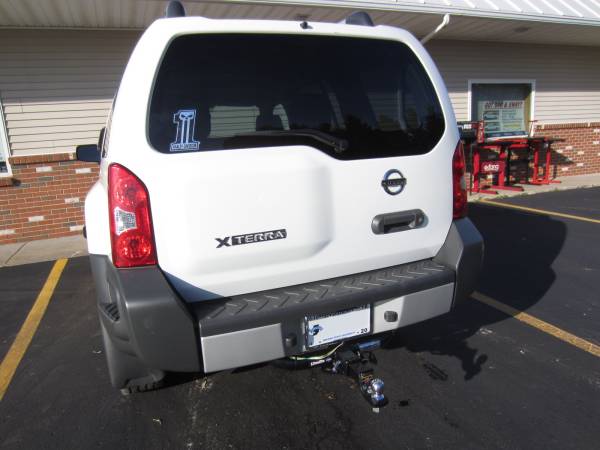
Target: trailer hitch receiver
(357, 362)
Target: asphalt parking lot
(475, 378)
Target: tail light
(459, 184)
(131, 232)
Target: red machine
(474, 134)
(537, 145)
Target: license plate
(328, 328)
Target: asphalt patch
(19, 287)
(577, 202)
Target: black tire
(126, 371)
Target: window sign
(504, 108)
(503, 118)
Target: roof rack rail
(359, 18)
(175, 9)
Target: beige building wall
(567, 79)
(56, 86)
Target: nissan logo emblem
(393, 182)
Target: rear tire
(126, 371)
(137, 386)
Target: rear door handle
(398, 221)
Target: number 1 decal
(185, 119)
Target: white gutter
(439, 28)
(422, 7)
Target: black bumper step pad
(319, 297)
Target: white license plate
(328, 328)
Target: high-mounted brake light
(459, 184)
(131, 232)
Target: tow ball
(353, 360)
(357, 362)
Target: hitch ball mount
(357, 362)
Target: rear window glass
(350, 98)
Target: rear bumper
(146, 319)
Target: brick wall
(44, 198)
(580, 153)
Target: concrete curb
(42, 250)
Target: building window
(4, 166)
(505, 107)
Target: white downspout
(440, 27)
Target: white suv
(268, 188)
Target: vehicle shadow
(520, 248)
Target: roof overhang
(578, 12)
(561, 22)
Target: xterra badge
(393, 182)
(251, 238)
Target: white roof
(563, 22)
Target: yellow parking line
(558, 333)
(539, 211)
(19, 346)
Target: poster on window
(503, 118)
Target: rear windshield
(348, 97)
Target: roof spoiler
(174, 9)
(359, 18)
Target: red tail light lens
(131, 232)
(459, 188)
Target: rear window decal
(185, 119)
